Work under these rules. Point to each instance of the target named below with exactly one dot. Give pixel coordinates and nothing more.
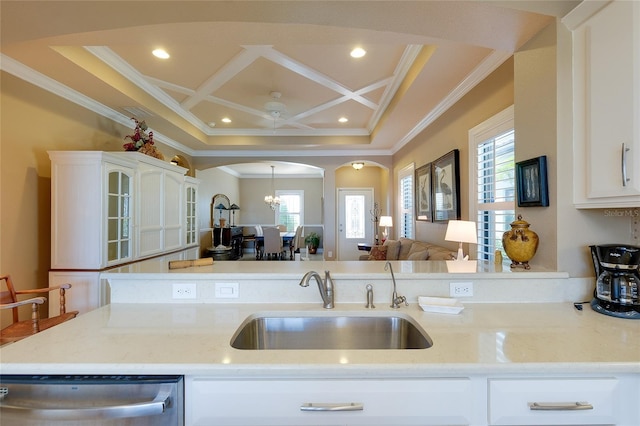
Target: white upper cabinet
(606, 88)
(91, 209)
(109, 208)
(160, 189)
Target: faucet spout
(396, 300)
(325, 287)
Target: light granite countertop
(195, 339)
(515, 323)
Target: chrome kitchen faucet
(326, 288)
(396, 300)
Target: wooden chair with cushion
(20, 329)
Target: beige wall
(213, 182)
(34, 121)
(451, 131)
(535, 124)
(255, 211)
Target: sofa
(408, 249)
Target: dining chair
(298, 241)
(20, 329)
(272, 243)
(282, 228)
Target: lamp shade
(386, 221)
(234, 206)
(461, 231)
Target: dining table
(287, 241)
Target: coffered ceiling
(279, 70)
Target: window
(405, 211)
(291, 209)
(492, 156)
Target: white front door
(355, 221)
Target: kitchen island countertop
(194, 339)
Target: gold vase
(520, 243)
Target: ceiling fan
(275, 108)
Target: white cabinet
(328, 402)
(91, 209)
(110, 208)
(159, 202)
(606, 88)
(478, 400)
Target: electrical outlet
(461, 289)
(184, 290)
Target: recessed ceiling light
(343, 119)
(358, 52)
(160, 53)
(212, 124)
(226, 120)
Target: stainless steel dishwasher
(133, 400)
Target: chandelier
(272, 201)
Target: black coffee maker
(617, 280)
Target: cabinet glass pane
(124, 188)
(113, 206)
(112, 251)
(114, 182)
(124, 228)
(112, 229)
(124, 249)
(124, 207)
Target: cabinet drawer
(509, 401)
(375, 402)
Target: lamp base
(461, 255)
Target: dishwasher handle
(156, 406)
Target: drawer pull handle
(344, 406)
(560, 406)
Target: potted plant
(312, 240)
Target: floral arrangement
(142, 141)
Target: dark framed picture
(423, 193)
(531, 181)
(445, 175)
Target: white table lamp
(461, 231)
(387, 222)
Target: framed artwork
(531, 182)
(445, 181)
(423, 193)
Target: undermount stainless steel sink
(337, 331)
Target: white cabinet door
(90, 209)
(191, 211)
(328, 402)
(607, 107)
(173, 200)
(160, 217)
(150, 211)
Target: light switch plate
(226, 290)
